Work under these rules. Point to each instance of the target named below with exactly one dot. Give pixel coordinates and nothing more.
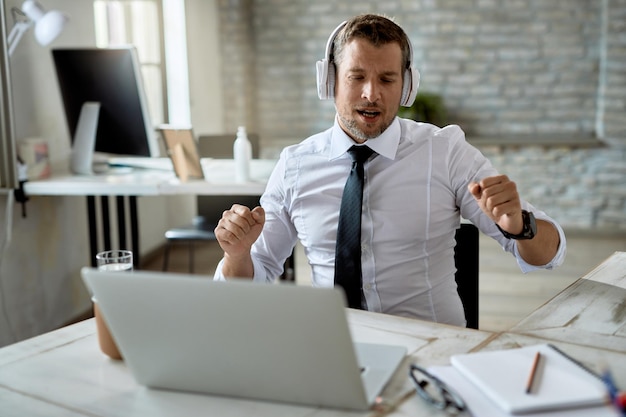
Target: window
(158, 29)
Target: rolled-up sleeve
(259, 272)
(557, 260)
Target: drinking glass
(115, 260)
(118, 261)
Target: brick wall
(507, 69)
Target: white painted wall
(40, 286)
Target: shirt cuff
(556, 261)
(259, 272)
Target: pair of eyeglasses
(436, 392)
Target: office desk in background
(125, 187)
(63, 373)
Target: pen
(618, 398)
(533, 372)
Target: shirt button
(367, 287)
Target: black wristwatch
(529, 230)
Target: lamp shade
(48, 25)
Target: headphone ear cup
(330, 84)
(325, 79)
(322, 78)
(326, 69)
(406, 87)
(410, 84)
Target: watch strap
(529, 230)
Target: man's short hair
(376, 29)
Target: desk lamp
(48, 25)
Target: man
(417, 185)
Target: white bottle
(242, 152)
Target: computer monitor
(105, 104)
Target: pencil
(533, 372)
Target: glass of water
(115, 261)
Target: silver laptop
(280, 342)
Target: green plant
(428, 107)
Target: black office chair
(210, 208)
(466, 262)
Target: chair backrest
(466, 261)
(221, 147)
(211, 207)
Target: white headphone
(326, 74)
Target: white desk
(64, 370)
(139, 183)
(126, 187)
(591, 311)
(220, 180)
(63, 373)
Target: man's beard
(355, 131)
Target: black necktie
(348, 250)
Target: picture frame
(182, 150)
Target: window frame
(161, 115)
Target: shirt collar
(386, 144)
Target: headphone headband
(331, 39)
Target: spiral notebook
(560, 382)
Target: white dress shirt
(414, 196)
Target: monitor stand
(81, 159)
